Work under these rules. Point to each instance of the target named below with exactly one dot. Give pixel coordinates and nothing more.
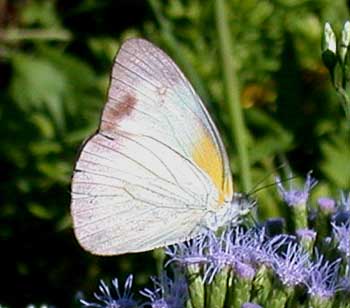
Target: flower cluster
(255, 266)
(106, 299)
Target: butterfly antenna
(273, 184)
(285, 166)
(255, 188)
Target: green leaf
(266, 146)
(40, 211)
(44, 147)
(336, 161)
(40, 13)
(84, 93)
(38, 85)
(43, 124)
(57, 171)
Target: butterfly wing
(155, 166)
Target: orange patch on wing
(207, 157)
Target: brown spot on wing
(114, 112)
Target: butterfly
(156, 171)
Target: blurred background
(55, 60)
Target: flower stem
(262, 285)
(345, 101)
(195, 286)
(321, 303)
(300, 216)
(239, 291)
(216, 290)
(232, 92)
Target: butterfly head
(243, 202)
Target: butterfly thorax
(230, 212)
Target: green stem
(300, 216)
(159, 256)
(320, 303)
(14, 34)
(240, 291)
(280, 296)
(262, 285)
(216, 290)
(232, 92)
(195, 287)
(346, 101)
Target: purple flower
(294, 196)
(341, 234)
(342, 215)
(322, 281)
(327, 205)
(292, 265)
(189, 252)
(306, 234)
(215, 253)
(219, 254)
(345, 201)
(248, 244)
(270, 249)
(119, 300)
(251, 305)
(344, 283)
(239, 249)
(245, 271)
(167, 293)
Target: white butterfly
(156, 171)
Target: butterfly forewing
(148, 176)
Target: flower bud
(345, 42)
(329, 48)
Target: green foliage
(55, 59)
(336, 158)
